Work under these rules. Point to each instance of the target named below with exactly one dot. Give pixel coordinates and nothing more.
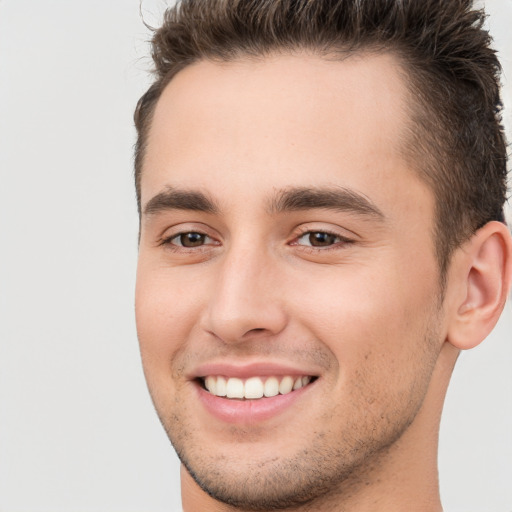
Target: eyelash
(342, 241)
(167, 242)
(340, 244)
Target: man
(320, 186)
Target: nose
(245, 302)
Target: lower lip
(248, 411)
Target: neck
(404, 478)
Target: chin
(250, 478)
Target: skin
(363, 312)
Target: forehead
(283, 120)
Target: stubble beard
(315, 475)
(330, 468)
(324, 472)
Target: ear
(481, 272)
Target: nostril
(257, 332)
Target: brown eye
(190, 239)
(318, 239)
(322, 239)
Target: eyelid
(168, 239)
(182, 228)
(343, 233)
(179, 235)
(304, 230)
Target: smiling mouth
(254, 388)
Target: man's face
(285, 242)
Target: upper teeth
(254, 387)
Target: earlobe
(484, 270)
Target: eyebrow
(290, 199)
(337, 198)
(174, 199)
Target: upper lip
(246, 371)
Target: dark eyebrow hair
(336, 198)
(174, 199)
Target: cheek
(166, 310)
(373, 320)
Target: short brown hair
(456, 141)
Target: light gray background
(77, 430)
